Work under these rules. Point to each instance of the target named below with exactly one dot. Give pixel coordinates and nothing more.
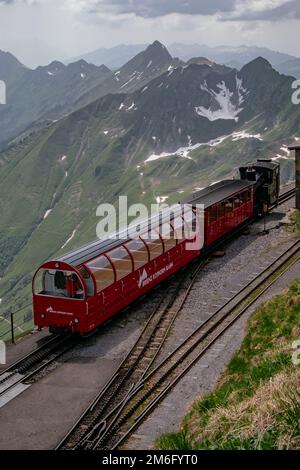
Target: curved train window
(103, 272)
(154, 244)
(178, 228)
(139, 253)
(88, 281)
(121, 261)
(168, 235)
(190, 224)
(55, 283)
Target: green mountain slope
(160, 142)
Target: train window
(87, 278)
(154, 244)
(168, 235)
(139, 253)
(178, 228)
(228, 205)
(244, 197)
(103, 272)
(221, 210)
(213, 214)
(190, 224)
(55, 283)
(121, 261)
(236, 202)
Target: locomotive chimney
(297, 168)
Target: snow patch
(226, 109)
(285, 149)
(63, 158)
(121, 106)
(83, 75)
(48, 212)
(279, 157)
(69, 239)
(149, 65)
(161, 199)
(184, 151)
(50, 73)
(105, 132)
(132, 106)
(245, 135)
(144, 89)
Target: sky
(39, 31)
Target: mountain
(290, 67)
(135, 74)
(10, 67)
(232, 56)
(190, 126)
(37, 97)
(43, 94)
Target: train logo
(146, 279)
(142, 278)
(2, 353)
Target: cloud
(225, 10)
(268, 10)
(155, 8)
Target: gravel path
(244, 257)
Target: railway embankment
(256, 403)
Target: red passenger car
(82, 289)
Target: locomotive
(82, 289)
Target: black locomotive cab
(265, 175)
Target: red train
(82, 289)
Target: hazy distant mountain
(290, 67)
(45, 93)
(113, 57)
(229, 55)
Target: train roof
(208, 196)
(218, 192)
(98, 247)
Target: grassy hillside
(256, 404)
(53, 181)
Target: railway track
(110, 428)
(25, 371)
(139, 360)
(286, 196)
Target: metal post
(12, 328)
(297, 173)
